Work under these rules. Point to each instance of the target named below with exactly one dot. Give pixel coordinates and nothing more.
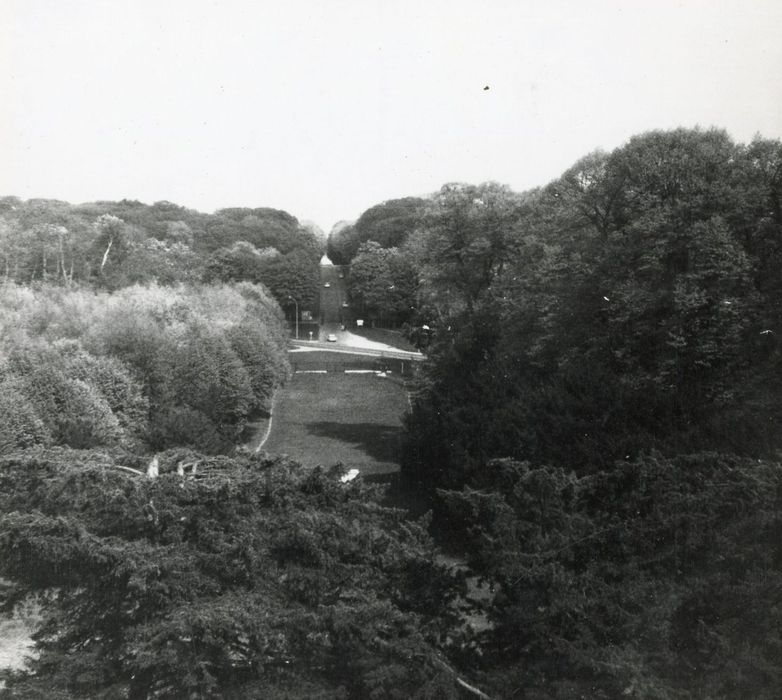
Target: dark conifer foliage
(658, 578)
(251, 579)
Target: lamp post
(297, 315)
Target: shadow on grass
(380, 442)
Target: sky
(327, 108)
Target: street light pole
(297, 315)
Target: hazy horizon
(325, 110)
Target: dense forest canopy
(113, 244)
(387, 224)
(632, 304)
(596, 428)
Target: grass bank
(355, 419)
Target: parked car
(327, 285)
(331, 338)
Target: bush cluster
(144, 368)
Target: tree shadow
(380, 442)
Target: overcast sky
(324, 108)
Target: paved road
(336, 313)
(345, 348)
(332, 298)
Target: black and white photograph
(391, 349)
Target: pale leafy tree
(165, 262)
(61, 233)
(143, 367)
(110, 230)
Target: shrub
(20, 427)
(208, 377)
(266, 365)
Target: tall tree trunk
(62, 263)
(106, 254)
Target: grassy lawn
(338, 361)
(350, 418)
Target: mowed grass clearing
(355, 419)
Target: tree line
(110, 245)
(632, 304)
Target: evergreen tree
(255, 579)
